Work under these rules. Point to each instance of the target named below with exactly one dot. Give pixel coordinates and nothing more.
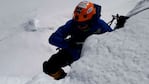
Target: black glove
(71, 43)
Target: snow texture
(118, 57)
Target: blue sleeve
(58, 37)
(105, 27)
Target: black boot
(59, 74)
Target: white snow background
(119, 57)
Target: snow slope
(26, 26)
(119, 57)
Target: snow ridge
(141, 6)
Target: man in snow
(70, 37)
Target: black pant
(57, 61)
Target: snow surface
(119, 57)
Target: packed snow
(118, 57)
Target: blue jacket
(73, 44)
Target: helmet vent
(78, 10)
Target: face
(83, 26)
